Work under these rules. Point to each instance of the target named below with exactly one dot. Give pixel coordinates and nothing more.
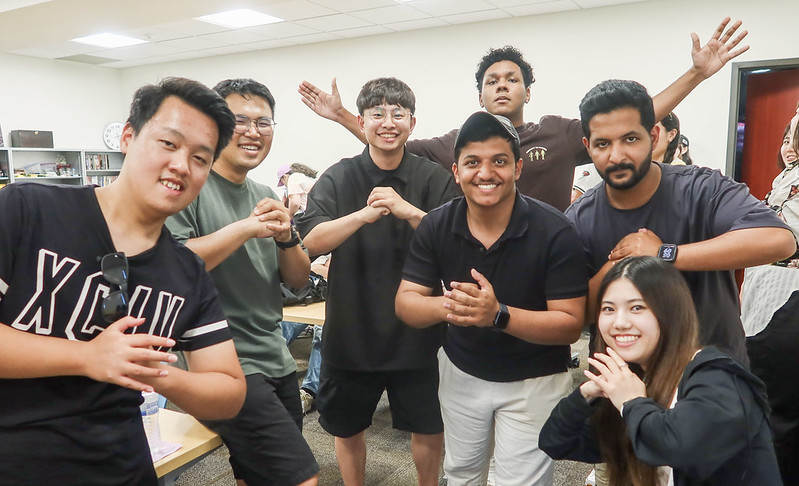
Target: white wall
(74, 101)
(570, 52)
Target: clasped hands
(383, 201)
(471, 304)
(615, 381)
(271, 220)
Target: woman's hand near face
(615, 379)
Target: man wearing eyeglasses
(365, 210)
(243, 232)
(94, 291)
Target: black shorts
(265, 439)
(347, 400)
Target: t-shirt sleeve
(566, 271)
(210, 325)
(12, 220)
(322, 204)
(183, 225)
(732, 207)
(575, 136)
(440, 150)
(421, 265)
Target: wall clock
(111, 134)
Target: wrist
(294, 240)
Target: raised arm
(327, 236)
(707, 61)
(328, 105)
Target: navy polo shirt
(538, 258)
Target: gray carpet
(389, 460)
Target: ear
(585, 143)
(413, 124)
(360, 123)
(480, 99)
(126, 138)
(527, 94)
(519, 166)
(672, 134)
(455, 172)
(655, 134)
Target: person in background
(668, 139)
(657, 407)
(298, 180)
(552, 147)
(682, 156)
(243, 232)
(769, 310)
(365, 210)
(95, 294)
(585, 177)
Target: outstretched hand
(127, 360)
(326, 105)
(720, 48)
(471, 304)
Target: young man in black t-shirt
(365, 210)
(513, 271)
(93, 293)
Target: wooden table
(313, 314)
(196, 439)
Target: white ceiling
(43, 29)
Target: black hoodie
(716, 434)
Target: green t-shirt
(248, 281)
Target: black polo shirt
(362, 332)
(538, 258)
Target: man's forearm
(326, 237)
(217, 246)
(418, 310)
(737, 249)
(294, 266)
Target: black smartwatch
(667, 252)
(502, 318)
(294, 241)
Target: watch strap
(294, 241)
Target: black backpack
(314, 291)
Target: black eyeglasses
(115, 270)
(263, 125)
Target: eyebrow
(178, 133)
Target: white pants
(481, 417)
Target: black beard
(637, 175)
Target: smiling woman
(650, 376)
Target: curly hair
(507, 53)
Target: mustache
(622, 166)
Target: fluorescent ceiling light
(109, 41)
(241, 17)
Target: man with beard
(704, 223)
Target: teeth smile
(626, 339)
(171, 185)
(249, 147)
(486, 186)
(388, 135)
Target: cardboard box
(31, 138)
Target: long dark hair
(671, 122)
(665, 292)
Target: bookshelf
(56, 166)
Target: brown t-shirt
(551, 149)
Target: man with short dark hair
(243, 232)
(551, 147)
(513, 271)
(365, 210)
(94, 292)
(706, 224)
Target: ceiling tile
(364, 31)
(416, 24)
(72, 47)
(602, 3)
(269, 44)
(385, 15)
(140, 51)
(153, 34)
(282, 29)
(467, 18)
(439, 8)
(297, 9)
(193, 43)
(330, 23)
(191, 27)
(311, 38)
(352, 5)
(40, 52)
(235, 37)
(542, 8)
(219, 51)
(516, 3)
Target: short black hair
(390, 91)
(245, 87)
(148, 99)
(615, 94)
(482, 125)
(507, 53)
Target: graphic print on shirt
(536, 154)
(54, 274)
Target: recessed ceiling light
(109, 41)
(241, 17)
